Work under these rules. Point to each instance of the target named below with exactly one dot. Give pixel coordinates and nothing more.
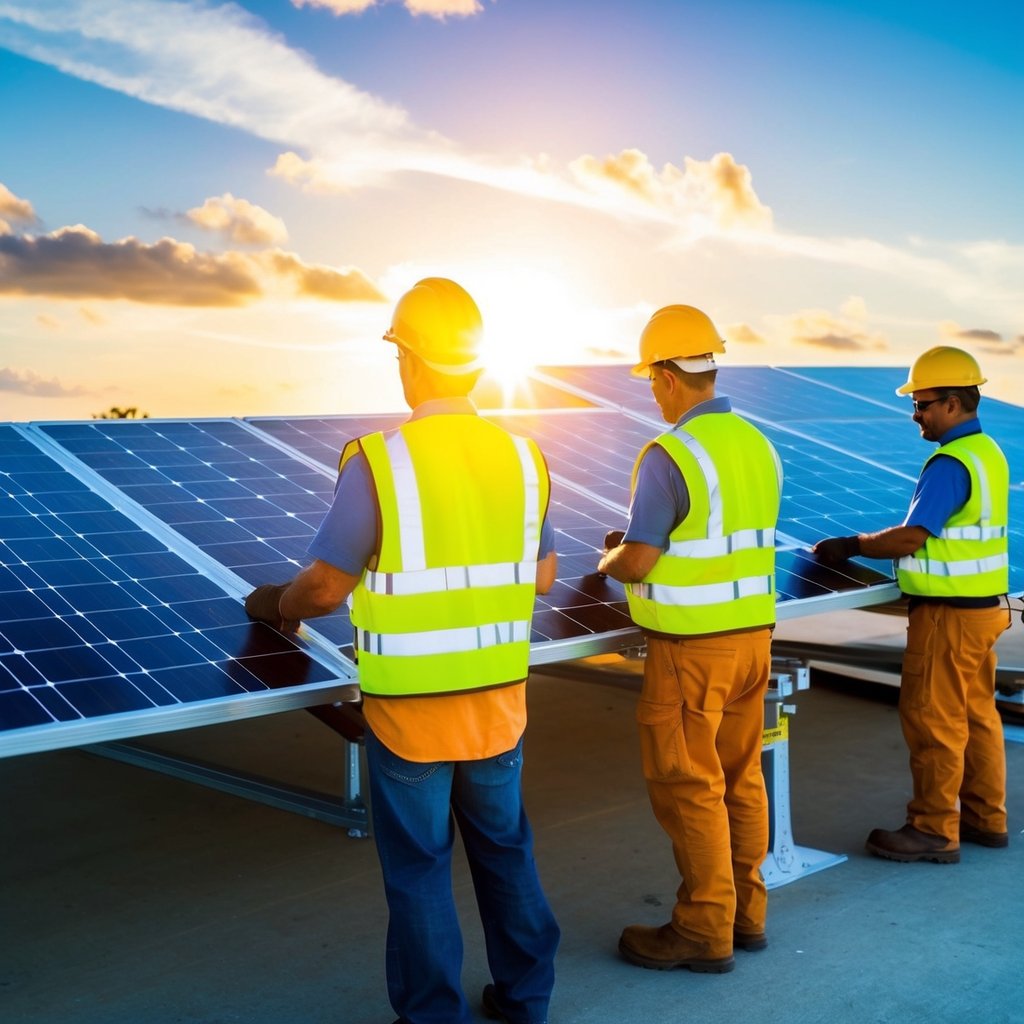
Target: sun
(531, 317)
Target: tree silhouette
(115, 412)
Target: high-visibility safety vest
(970, 558)
(446, 604)
(718, 573)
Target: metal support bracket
(349, 810)
(786, 861)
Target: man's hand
(836, 549)
(264, 605)
(612, 539)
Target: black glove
(836, 549)
(263, 604)
(612, 539)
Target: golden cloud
(239, 220)
(846, 332)
(717, 193)
(743, 333)
(320, 282)
(11, 206)
(310, 175)
(75, 263)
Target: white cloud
(439, 9)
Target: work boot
(970, 834)
(664, 948)
(908, 844)
(749, 941)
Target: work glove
(612, 539)
(836, 549)
(263, 604)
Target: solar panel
(107, 632)
(232, 494)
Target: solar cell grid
(236, 496)
(98, 618)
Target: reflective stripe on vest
(970, 567)
(706, 593)
(443, 641)
(713, 547)
(718, 572)
(970, 556)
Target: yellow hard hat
(678, 332)
(942, 367)
(438, 321)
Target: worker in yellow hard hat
(439, 532)
(952, 561)
(698, 561)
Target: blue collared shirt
(944, 485)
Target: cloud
(75, 262)
(25, 382)
(718, 192)
(743, 333)
(238, 220)
(15, 208)
(320, 282)
(820, 328)
(18, 210)
(980, 337)
(439, 9)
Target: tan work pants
(701, 718)
(950, 721)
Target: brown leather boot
(908, 844)
(994, 840)
(664, 948)
(750, 941)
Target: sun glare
(530, 318)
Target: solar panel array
(104, 629)
(127, 546)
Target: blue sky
(207, 208)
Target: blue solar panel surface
(234, 495)
(98, 618)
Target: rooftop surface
(129, 896)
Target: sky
(209, 208)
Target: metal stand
(349, 810)
(786, 862)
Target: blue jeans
(414, 807)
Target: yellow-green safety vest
(718, 573)
(970, 558)
(447, 604)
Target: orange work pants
(950, 721)
(701, 718)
